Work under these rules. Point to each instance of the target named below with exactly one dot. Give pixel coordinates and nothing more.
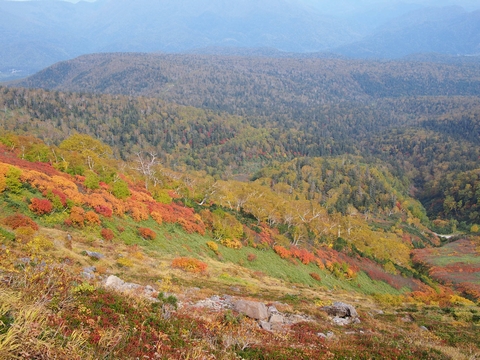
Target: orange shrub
(40, 206)
(319, 263)
(189, 265)
(316, 276)
(303, 255)
(77, 216)
(107, 234)
(282, 252)
(157, 217)
(251, 257)
(147, 233)
(92, 218)
(138, 212)
(19, 220)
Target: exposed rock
(89, 272)
(253, 309)
(276, 319)
(265, 325)
(327, 336)
(90, 269)
(343, 314)
(341, 309)
(296, 318)
(423, 328)
(407, 318)
(216, 303)
(341, 321)
(272, 310)
(95, 255)
(114, 282)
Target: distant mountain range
(36, 34)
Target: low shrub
(189, 265)
(316, 276)
(19, 220)
(213, 246)
(107, 234)
(251, 257)
(147, 233)
(231, 243)
(41, 206)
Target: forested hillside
(419, 118)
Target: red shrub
(40, 206)
(147, 233)
(303, 255)
(251, 257)
(56, 194)
(103, 210)
(18, 220)
(189, 264)
(316, 276)
(107, 234)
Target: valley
(290, 182)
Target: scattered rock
(253, 309)
(407, 318)
(423, 328)
(115, 283)
(89, 272)
(343, 314)
(327, 336)
(341, 309)
(95, 255)
(216, 303)
(341, 321)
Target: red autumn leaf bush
(41, 206)
(189, 265)
(107, 234)
(19, 220)
(147, 234)
(103, 210)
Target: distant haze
(36, 34)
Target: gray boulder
(343, 314)
(340, 309)
(253, 309)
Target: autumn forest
(329, 175)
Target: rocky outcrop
(269, 318)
